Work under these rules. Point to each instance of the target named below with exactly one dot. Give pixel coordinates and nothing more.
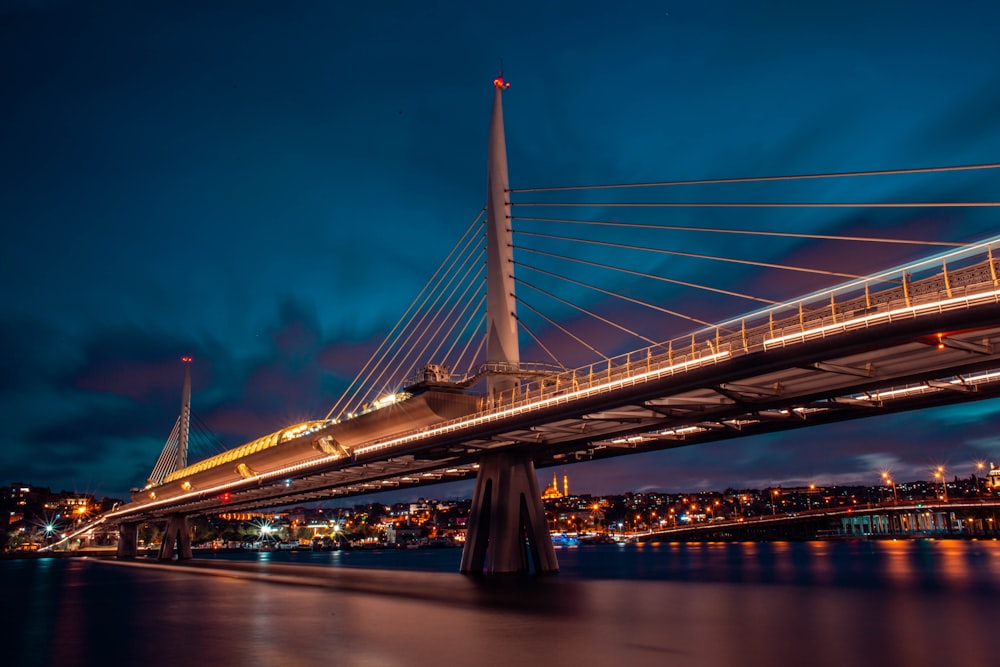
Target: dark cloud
(265, 188)
(28, 346)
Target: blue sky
(265, 186)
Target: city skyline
(265, 190)
(462, 491)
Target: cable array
(439, 327)
(633, 278)
(766, 179)
(606, 283)
(202, 443)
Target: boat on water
(565, 540)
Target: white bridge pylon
(507, 519)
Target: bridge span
(912, 337)
(965, 518)
(917, 345)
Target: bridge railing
(921, 289)
(845, 308)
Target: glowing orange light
(940, 344)
(500, 83)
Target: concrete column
(507, 519)
(128, 540)
(176, 539)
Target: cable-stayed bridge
(916, 335)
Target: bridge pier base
(507, 519)
(176, 539)
(128, 540)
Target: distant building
(552, 492)
(993, 478)
(402, 535)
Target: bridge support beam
(128, 540)
(507, 519)
(176, 539)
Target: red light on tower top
(186, 360)
(500, 83)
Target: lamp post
(888, 481)
(939, 473)
(50, 530)
(774, 502)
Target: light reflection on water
(815, 603)
(928, 564)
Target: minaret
(501, 318)
(565, 486)
(185, 425)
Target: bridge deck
(863, 353)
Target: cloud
(268, 198)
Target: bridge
(914, 336)
(965, 517)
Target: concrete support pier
(176, 539)
(128, 540)
(507, 519)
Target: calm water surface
(817, 603)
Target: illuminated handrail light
(671, 432)
(982, 377)
(889, 275)
(609, 385)
(867, 320)
(904, 391)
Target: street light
(888, 480)
(944, 486)
(774, 502)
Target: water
(817, 603)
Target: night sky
(266, 185)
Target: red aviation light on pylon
(500, 83)
(186, 360)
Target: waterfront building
(993, 478)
